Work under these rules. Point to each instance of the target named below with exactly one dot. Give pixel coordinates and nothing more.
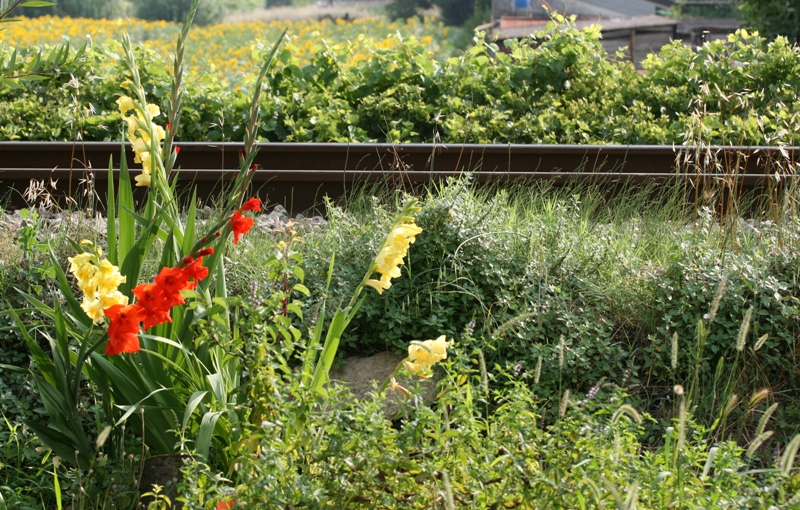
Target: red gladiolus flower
(240, 225)
(196, 271)
(205, 251)
(254, 204)
(123, 330)
(177, 149)
(172, 281)
(226, 505)
(152, 298)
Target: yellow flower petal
(125, 104)
(143, 179)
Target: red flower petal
(172, 280)
(196, 271)
(123, 330)
(240, 225)
(254, 204)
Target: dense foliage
(563, 89)
(544, 290)
(485, 447)
(773, 18)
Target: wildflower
(225, 505)
(423, 355)
(391, 256)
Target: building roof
(609, 9)
(513, 28)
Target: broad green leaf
(328, 350)
(206, 432)
(130, 409)
(195, 400)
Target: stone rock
(359, 374)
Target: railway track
(298, 175)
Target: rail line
(298, 175)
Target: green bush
(561, 88)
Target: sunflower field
(226, 49)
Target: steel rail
(299, 174)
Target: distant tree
(454, 12)
(80, 9)
(404, 9)
(209, 11)
(773, 17)
(278, 3)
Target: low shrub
(557, 284)
(482, 446)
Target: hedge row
(562, 89)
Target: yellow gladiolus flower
(391, 256)
(143, 179)
(125, 105)
(98, 280)
(141, 134)
(423, 355)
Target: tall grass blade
(762, 423)
(674, 359)
(712, 312)
(787, 461)
(744, 329)
(709, 463)
(125, 204)
(761, 341)
(562, 409)
(757, 442)
(757, 397)
(111, 216)
(627, 410)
